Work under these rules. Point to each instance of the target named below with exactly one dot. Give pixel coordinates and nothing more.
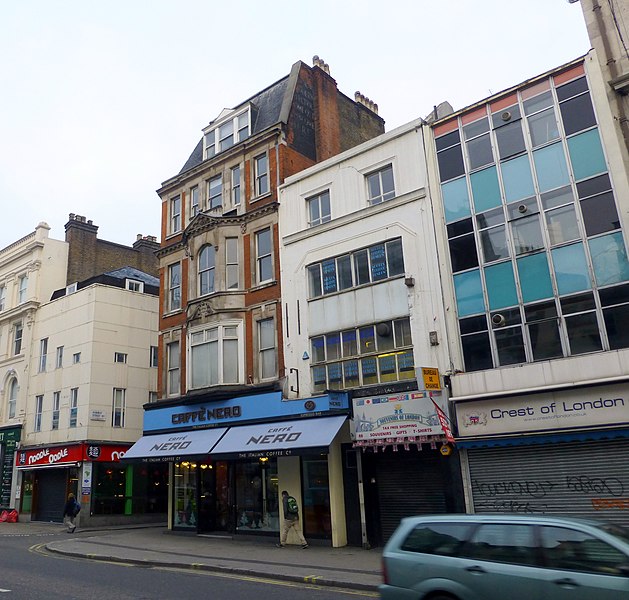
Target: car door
(501, 560)
(581, 566)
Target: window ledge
(261, 286)
(262, 197)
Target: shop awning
(174, 446)
(281, 438)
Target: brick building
(220, 311)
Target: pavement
(347, 567)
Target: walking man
(291, 519)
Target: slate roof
(133, 273)
(267, 106)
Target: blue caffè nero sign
(242, 409)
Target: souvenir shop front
(230, 459)
(110, 492)
(406, 463)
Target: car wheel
(442, 597)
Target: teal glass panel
(571, 269)
(469, 293)
(609, 257)
(456, 202)
(485, 189)
(534, 276)
(517, 179)
(586, 154)
(551, 167)
(500, 285)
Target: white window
(225, 135)
(56, 401)
(215, 192)
(175, 214)
(319, 209)
(173, 383)
(59, 359)
(74, 406)
(76, 358)
(134, 285)
(266, 343)
(17, 338)
(380, 186)
(231, 264)
(264, 259)
(70, 289)
(3, 295)
(215, 356)
(152, 397)
(153, 356)
(118, 407)
(23, 283)
(120, 357)
(261, 174)
(43, 351)
(39, 408)
(194, 201)
(207, 268)
(174, 287)
(13, 388)
(235, 176)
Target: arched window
(207, 263)
(12, 398)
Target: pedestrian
(291, 519)
(70, 512)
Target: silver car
(482, 557)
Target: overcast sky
(102, 101)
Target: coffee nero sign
(564, 409)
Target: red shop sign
(104, 452)
(48, 457)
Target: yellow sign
(431, 378)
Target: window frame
(264, 350)
(319, 200)
(74, 407)
(262, 183)
(235, 185)
(118, 408)
(120, 358)
(195, 201)
(239, 132)
(22, 288)
(383, 196)
(153, 356)
(134, 285)
(174, 287)
(13, 389)
(206, 274)
(18, 328)
(39, 409)
(202, 336)
(56, 403)
(43, 352)
(59, 358)
(215, 183)
(173, 369)
(262, 260)
(174, 214)
(3, 297)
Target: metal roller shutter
(579, 479)
(408, 484)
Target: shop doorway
(215, 497)
(50, 488)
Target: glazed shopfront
(230, 459)
(110, 492)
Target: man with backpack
(291, 519)
(70, 512)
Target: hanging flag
(444, 422)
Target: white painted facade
(92, 325)
(36, 263)
(354, 225)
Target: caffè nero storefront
(230, 459)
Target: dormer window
(231, 131)
(134, 285)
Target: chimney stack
(366, 102)
(317, 62)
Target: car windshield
(621, 533)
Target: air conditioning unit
(498, 320)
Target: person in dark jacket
(291, 519)
(70, 512)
